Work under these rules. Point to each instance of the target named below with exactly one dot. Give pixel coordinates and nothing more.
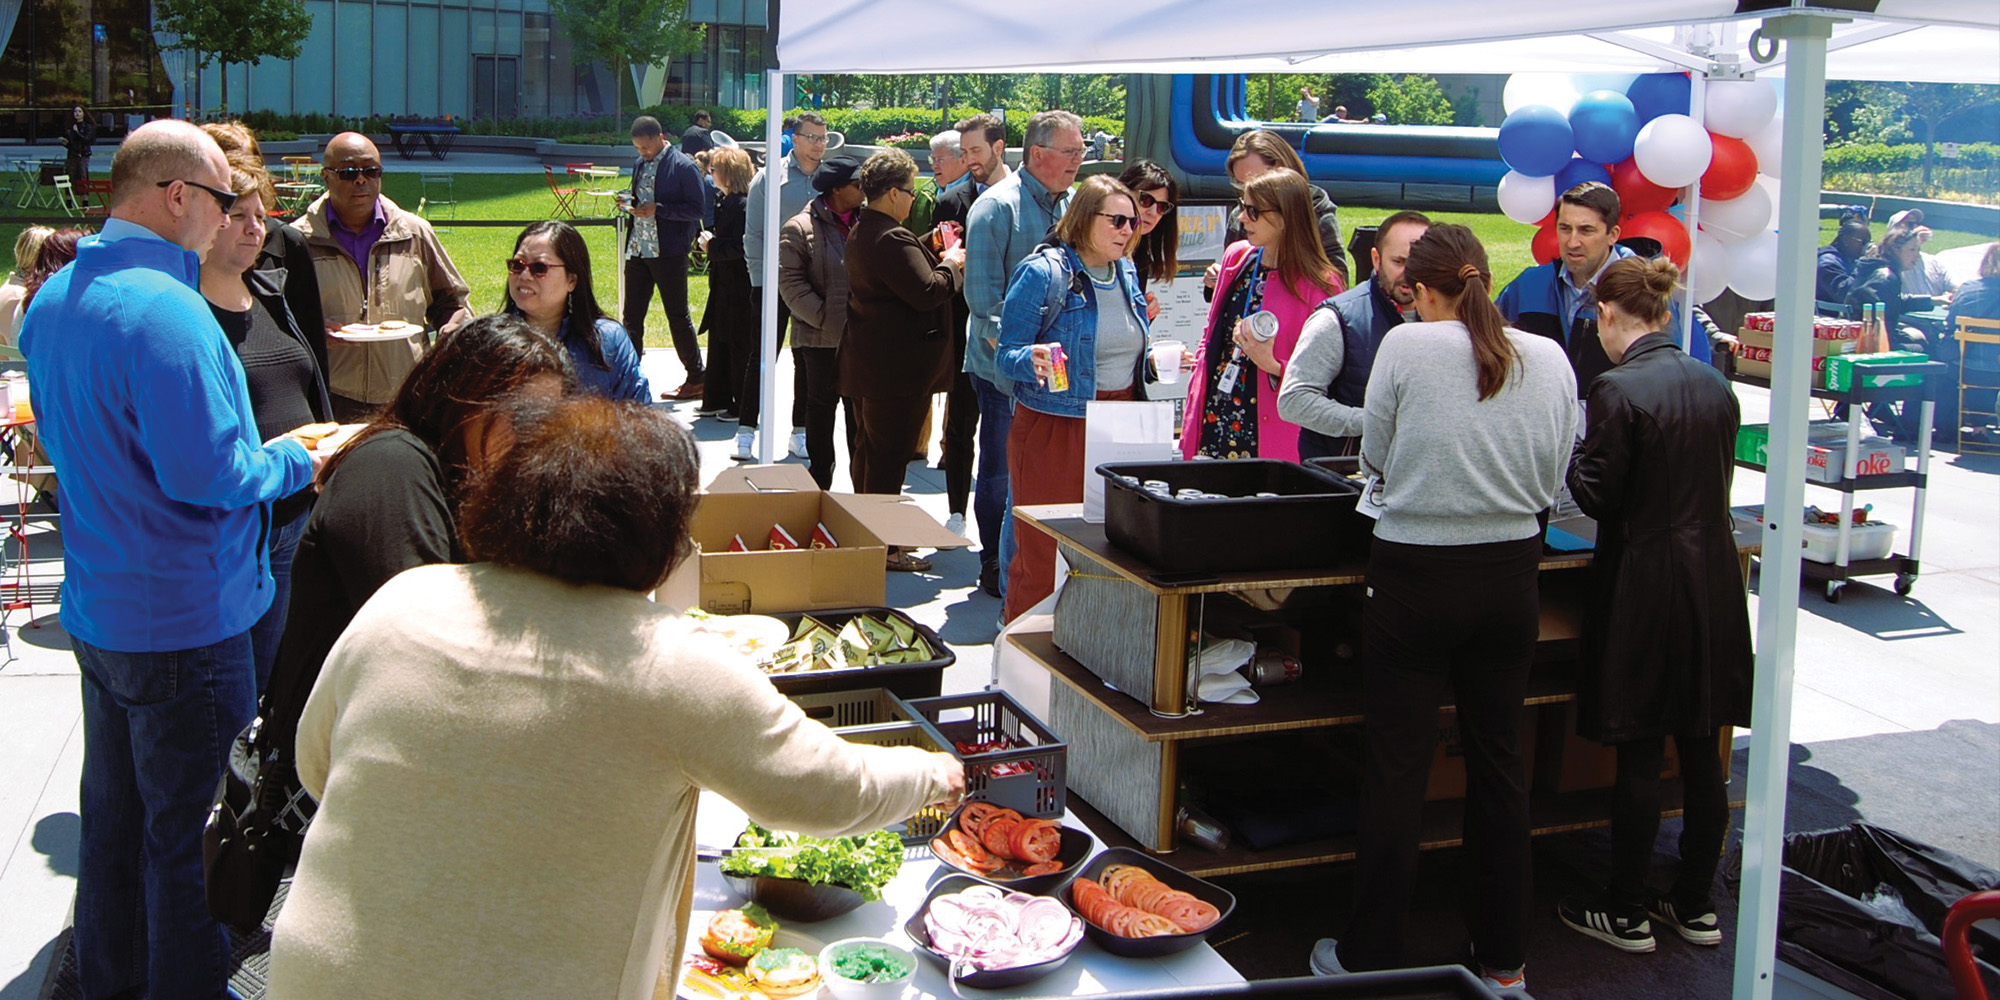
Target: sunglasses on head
(1253, 213)
(1120, 220)
(538, 268)
(225, 199)
(1147, 201)
(352, 174)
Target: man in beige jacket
(375, 263)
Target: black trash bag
(1861, 908)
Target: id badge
(1227, 383)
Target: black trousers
(1445, 624)
(748, 353)
(961, 435)
(670, 276)
(819, 369)
(885, 436)
(1635, 818)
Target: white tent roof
(1953, 41)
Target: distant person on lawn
(666, 212)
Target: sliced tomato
(1035, 840)
(996, 834)
(942, 850)
(978, 857)
(974, 817)
(1042, 868)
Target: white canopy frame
(822, 36)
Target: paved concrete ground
(1897, 721)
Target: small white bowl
(850, 989)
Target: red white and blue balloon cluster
(1636, 135)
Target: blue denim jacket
(1047, 279)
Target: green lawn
(480, 250)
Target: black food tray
(905, 680)
(1311, 523)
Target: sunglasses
(1120, 220)
(538, 268)
(352, 174)
(1253, 213)
(1147, 202)
(225, 199)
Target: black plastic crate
(918, 830)
(1310, 523)
(905, 680)
(860, 707)
(1033, 781)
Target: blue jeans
(156, 735)
(269, 629)
(989, 496)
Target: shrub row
(1875, 157)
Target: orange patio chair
(565, 196)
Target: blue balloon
(1656, 94)
(1604, 125)
(1535, 140)
(1581, 171)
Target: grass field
(481, 250)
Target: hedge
(1878, 158)
(865, 127)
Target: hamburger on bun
(733, 936)
(784, 972)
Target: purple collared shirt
(358, 244)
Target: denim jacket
(1052, 278)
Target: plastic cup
(1167, 359)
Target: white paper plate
(713, 989)
(373, 337)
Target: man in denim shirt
(1006, 224)
(666, 215)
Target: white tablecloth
(1090, 970)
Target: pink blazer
(1276, 437)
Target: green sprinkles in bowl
(870, 963)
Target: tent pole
(774, 177)
(1805, 38)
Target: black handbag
(254, 829)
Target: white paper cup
(1167, 356)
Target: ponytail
(1450, 259)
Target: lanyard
(1253, 301)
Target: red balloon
(1544, 245)
(1636, 194)
(1731, 171)
(1548, 221)
(1667, 230)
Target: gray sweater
(1306, 397)
(1458, 470)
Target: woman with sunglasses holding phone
(1270, 281)
(548, 284)
(1155, 248)
(1080, 295)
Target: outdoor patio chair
(565, 196)
(95, 197)
(1977, 331)
(66, 195)
(437, 192)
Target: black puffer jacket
(1666, 638)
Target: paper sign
(1116, 431)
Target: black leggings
(1635, 818)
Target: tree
(627, 33)
(1411, 100)
(228, 32)
(1929, 105)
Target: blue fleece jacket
(166, 486)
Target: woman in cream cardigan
(507, 754)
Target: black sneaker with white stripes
(1696, 924)
(1625, 930)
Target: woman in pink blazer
(1279, 267)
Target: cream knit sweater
(507, 769)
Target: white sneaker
(798, 449)
(955, 524)
(746, 443)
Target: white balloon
(1739, 108)
(1753, 266)
(1769, 145)
(1556, 90)
(1587, 82)
(1770, 188)
(1737, 218)
(1526, 199)
(1708, 268)
(1672, 151)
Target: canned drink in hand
(1058, 369)
(1263, 324)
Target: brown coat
(812, 276)
(898, 339)
(410, 278)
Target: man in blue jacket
(1833, 270)
(1555, 299)
(666, 215)
(166, 491)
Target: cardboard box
(1750, 342)
(1758, 363)
(1447, 778)
(1570, 763)
(748, 500)
(1826, 450)
(1840, 375)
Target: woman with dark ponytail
(1666, 636)
(1467, 432)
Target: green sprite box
(1752, 443)
(1840, 369)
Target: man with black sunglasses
(166, 490)
(375, 263)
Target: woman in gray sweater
(1468, 428)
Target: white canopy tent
(1931, 40)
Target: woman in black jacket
(729, 319)
(1666, 638)
(76, 140)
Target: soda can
(1272, 667)
(1263, 324)
(1262, 496)
(1058, 369)
(1158, 486)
